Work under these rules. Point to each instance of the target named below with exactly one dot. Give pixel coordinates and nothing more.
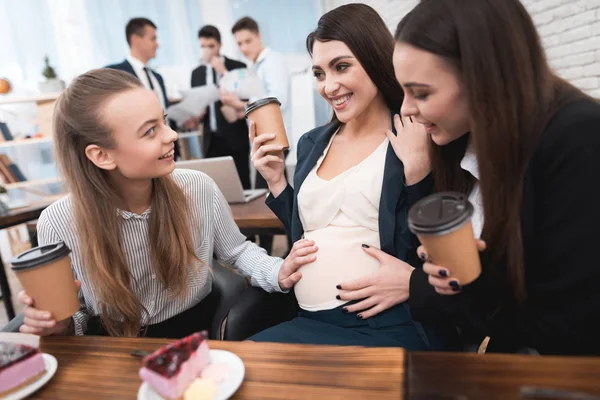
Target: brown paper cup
(46, 275)
(442, 222)
(265, 113)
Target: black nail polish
(454, 284)
(366, 246)
(338, 287)
(338, 297)
(443, 273)
(359, 316)
(345, 310)
(423, 256)
(456, 288)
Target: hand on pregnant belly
(382, 289)
(302, 253)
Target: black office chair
(240, 310)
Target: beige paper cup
(442, 222)
(46, 275)
(265, 113)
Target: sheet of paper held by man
(195, 101)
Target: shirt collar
(136, 63)
(263, 54)
(128, 214)
(469, 161)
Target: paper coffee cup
(265, 113)
(46, 275)
(442, 222)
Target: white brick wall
(570, 31)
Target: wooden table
(255, 218)
(102, 368)
(494, 376)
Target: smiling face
(433, 94)
(144, 142)
(341, 80)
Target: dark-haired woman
(475, 75)
(349, 197)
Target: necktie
(149, 80)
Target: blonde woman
(141, 232)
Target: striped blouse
(214, 232)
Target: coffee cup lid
(439, 213)
(259, 103)
(39, 256)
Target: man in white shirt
(275, 77)
(141, 37)
(269, 66)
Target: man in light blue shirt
(269, 66)
(275, 77)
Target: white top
(275, 77)
(339, 215)
(213, 232)
(138, 68)
(469, 164)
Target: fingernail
(345, 310)
(47, 315)
(359, 316)
(443, 273)
(423, 256)
(338, 297)
(454, 284)
(338, 287)
(366, 246)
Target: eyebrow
(150, 121)
(333, 61)
(415, 84)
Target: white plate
(225, 389)
(51, 365)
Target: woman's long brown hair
(77, 124)
(512, 94)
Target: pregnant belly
(340, 259)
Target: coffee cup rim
(447, 226)
(45, 255)
(259, 103)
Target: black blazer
(560, 221)
(395, 201)
(126, 66)
(234, 135)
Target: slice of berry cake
(20, 365)
(171, 369)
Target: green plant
(48, 71)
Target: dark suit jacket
(235, 135)
(396, 198)
(126, 66)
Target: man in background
(223, 135)
(274, 75)
(141, 38)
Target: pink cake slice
(19, 364)
(171, 369)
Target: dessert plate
(51, 365)
(225, 389)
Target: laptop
(222, 170)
